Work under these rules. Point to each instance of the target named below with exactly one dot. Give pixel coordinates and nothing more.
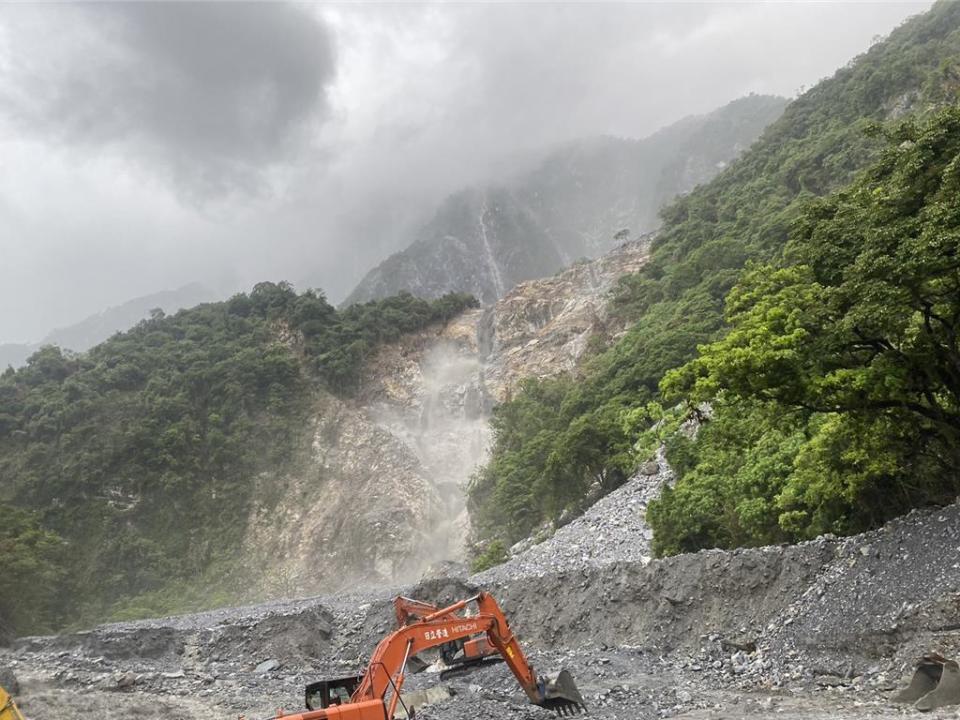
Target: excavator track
(468, 667)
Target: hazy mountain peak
(96, 328)
(484, 240)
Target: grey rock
(651, 467)
(267, 666)
(571, 205)
(8, 680)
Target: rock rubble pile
(822, 629)
(613, 530)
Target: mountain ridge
(94, 329)
(484, 240)
(558, 440)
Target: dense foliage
(557, 439)
(31, 567)
(837, 387)
(143, 453)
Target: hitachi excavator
(376, 694)
(458, 656)
(8, 708)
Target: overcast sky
(146, 146)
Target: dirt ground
(616, 684)
(826, 629)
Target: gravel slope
(817, 630)
(612, 530)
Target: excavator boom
(378, 693)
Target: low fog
(145, 146)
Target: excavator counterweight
(377, 693)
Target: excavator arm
(407, 609)
(378, 694)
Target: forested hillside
(127, 471)
(835, 392)
(557, 439)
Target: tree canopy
(837, 386)
(143, 453)
(676, 303)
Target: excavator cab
(464, 651)
(330, 693)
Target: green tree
(676, 302)
(32, 572)
(851, 340)
(144, 453)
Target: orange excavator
(376, 694)
(458, 656)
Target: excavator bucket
(561, 695)
(947, 691)
(925, 679)
(935, 683)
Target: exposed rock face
(359, 510)
(542, 327)
(428, 392)
(486, 240)
(380, 493)
(480, 242)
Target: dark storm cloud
(212, 93)
(441, 96)
(120, 122)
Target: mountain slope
(484, 241)
(268, 446)
(95, 329)
(836, 404)
(556, 440)
(158, 452)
